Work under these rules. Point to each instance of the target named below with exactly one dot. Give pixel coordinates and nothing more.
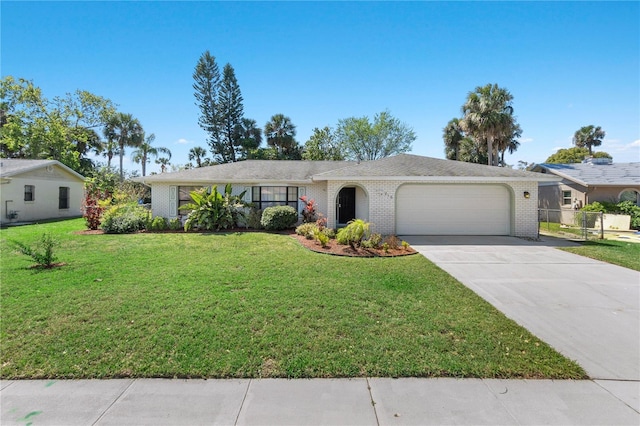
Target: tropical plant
(354, 233)
(588, 137)
(277, 218)
(126, 131)
(452, 135)
(213, 211)
(488, 117)
(164, 163)
(42, 253)
(249, 136)
(306, 230)
(321, 236)
(198, 154)
(145, 151)
(280, 133)
(309, 211)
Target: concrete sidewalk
(318, 401)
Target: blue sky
(567, 64)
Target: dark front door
(346, 205)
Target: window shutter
(173, 201)
(301, 191)
(248, 194)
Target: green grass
(615, 252)
(247, 305)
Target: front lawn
(246, 305)
(615, 252)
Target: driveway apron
(586, 309)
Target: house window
(566, 198)
(630, 195)
(29, 192)
(184, 196)
(63, 197)
(267, 196)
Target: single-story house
(32, 190)
(597, 179)
(404, 195)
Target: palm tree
(488, 116)
(109, 146)
(145, 151)
(588, 136)
(197, 153)
(509, 142)
(280, 133)
(126, 131)
(452, 135)
(164, 163)
(249, 136)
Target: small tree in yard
(309, 212)
(42, 253)
(353, 234)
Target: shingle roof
(403, 166)
(13, 166)
(416, 166)
(616, 174)
(250, 171)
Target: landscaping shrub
(159, 223)
(307, 230)
(321, 237)
(253, 218)
(175, 224)
(393, 242)
(125, 219)
(373, 241)
(353, 234)
(628, 207)
(42, 253)
(277, 218)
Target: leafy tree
(323, 145)
(63, 129)
(146, 150)
(588, 136)
(249, 136)
(127, 131)
(470, 151)
(488, 117)
(573, 155)
(363, 140)
(198, 154)
(280, 133)
(452, 135)
(207, 85)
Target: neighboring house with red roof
(32, 190)
(403, 195)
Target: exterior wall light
(526, 194)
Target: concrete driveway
(586, 309)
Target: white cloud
(525, 140)
(182, 141)
(634, 143)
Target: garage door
(453, 210)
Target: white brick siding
(382, 205)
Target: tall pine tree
(207, 85)
(231, 111)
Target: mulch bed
(336, 249)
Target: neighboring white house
(32, 190)
(404, 195)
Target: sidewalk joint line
(242, 403)
(373, 403)
(117, 398)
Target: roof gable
(10, 167)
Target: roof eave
(441, 178)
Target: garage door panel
(453, 210)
